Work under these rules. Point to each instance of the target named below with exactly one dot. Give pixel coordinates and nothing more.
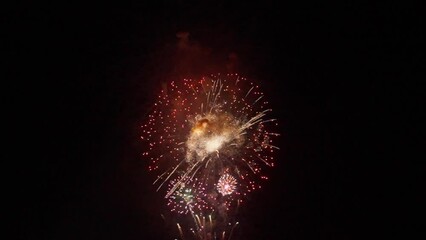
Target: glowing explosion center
(210, 134)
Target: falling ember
(209, 141)
(226, 184)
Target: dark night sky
(343, 79)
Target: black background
(344, 80)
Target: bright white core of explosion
(211, 134)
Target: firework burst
(208, 140)
(189, 197)
(226, 185)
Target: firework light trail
(208, 141)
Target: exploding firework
(189, 197)
(209, 141)
(226, 184)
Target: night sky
(343, 79)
